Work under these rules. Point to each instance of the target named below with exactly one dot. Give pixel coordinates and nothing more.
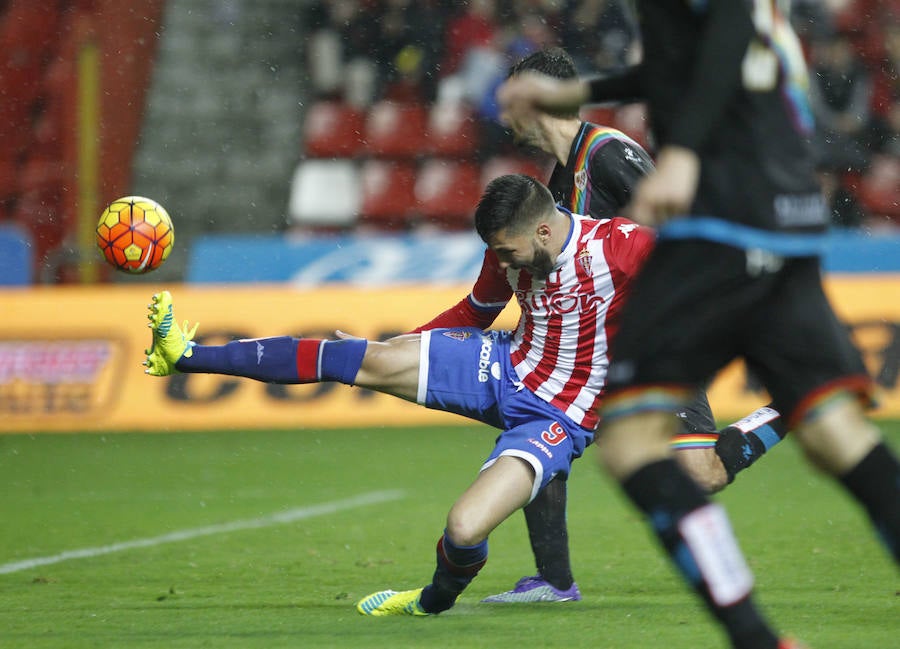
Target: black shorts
(697, 416)
(697, 305)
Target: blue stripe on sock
(767, 435)
(340, 360)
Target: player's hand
(669, 191)
(527, 93)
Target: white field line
(280, 518)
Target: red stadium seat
(333, 129)
(388, 196)
(632, 121)
(879, 189)
(452, 130)
(599, 116)
(447, 192)
(396, 130)
(502, 165)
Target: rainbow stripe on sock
(688, 441)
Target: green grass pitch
(173, 540)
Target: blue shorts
(468, 372)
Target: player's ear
(543, 232)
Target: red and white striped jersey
(560, 348)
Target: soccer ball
(135, 234)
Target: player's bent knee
(838, 438)
(463, 530)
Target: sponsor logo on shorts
(456, 334)
(484, 359)
(546, 451)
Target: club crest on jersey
(627, 228)
(584, 258)
(456, 334)
(581, 179)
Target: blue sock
(273, 360)
(279, 360)
(340, 360)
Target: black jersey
(727, 79)
(603, 167)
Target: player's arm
(624, 87)
(528, 92)
(482, 305)
(717, 74)
(716, 80)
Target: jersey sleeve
(482, 305)
(616, 168)
(630, 245)
(623, 87)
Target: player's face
(522, 251)
(524, 129)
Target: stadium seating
(507, 164)
(388, 196)
(452, 130)
(333, 129)
(325, 195)
(447, 192)
(396, 130)
(879, 188)
(598, 115)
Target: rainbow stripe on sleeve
(591, 140)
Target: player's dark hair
(511, 202)
(554, 62)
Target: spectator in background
(886, 93)
(600, 34)
(474, 28)
(844, 208)
(409, 46)
(840, 94)
(339, 51)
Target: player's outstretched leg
(170, 342)
(392, 602)
(280, 359)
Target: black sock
(457, 566)
(549, 535)
(698, 538)
(745, 441)
(875, 482)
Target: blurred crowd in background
(303, 116)
(431, 51)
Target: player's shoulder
(621, 230)
(606, 146)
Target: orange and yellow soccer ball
(135, 234)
